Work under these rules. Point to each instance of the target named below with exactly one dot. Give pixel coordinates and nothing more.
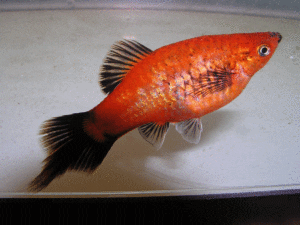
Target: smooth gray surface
(282, 8)
(49, 67)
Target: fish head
(255, 50)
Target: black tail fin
(69, 147)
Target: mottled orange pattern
(187, 79)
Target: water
(49, 67)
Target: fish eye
(264, 50)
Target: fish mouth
(276, 34)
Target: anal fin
(190, 130)
(154, 133)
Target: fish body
(184, 80)
(178, 83)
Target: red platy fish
(178, 83)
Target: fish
(176, 84)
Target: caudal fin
(69, 147)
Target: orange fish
(178, 83)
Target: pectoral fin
(190, 130)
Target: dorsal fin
(122, 56)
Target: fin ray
(190, 130)
(153, 133)
(119, 60)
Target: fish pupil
(264, 50)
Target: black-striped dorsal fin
(122, 56)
